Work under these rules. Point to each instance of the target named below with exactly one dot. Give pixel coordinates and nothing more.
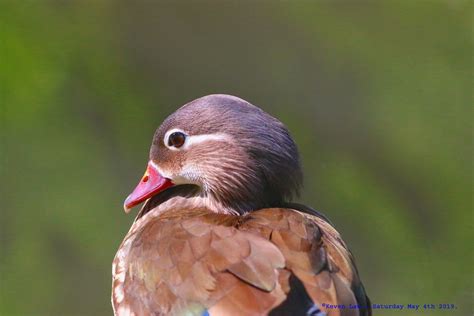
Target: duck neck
(184, 197)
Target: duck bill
(151, 184)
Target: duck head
(226, 152)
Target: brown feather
(236, 264)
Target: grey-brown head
(225, 150)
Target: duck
(219, 232)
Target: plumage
(221, 238)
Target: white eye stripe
(196, 139)
(192, 140)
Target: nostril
(145, 179)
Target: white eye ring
(166, 139)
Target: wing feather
(234, 265)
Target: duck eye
(176, 139)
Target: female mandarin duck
(217, 235)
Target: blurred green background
(377, 94)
